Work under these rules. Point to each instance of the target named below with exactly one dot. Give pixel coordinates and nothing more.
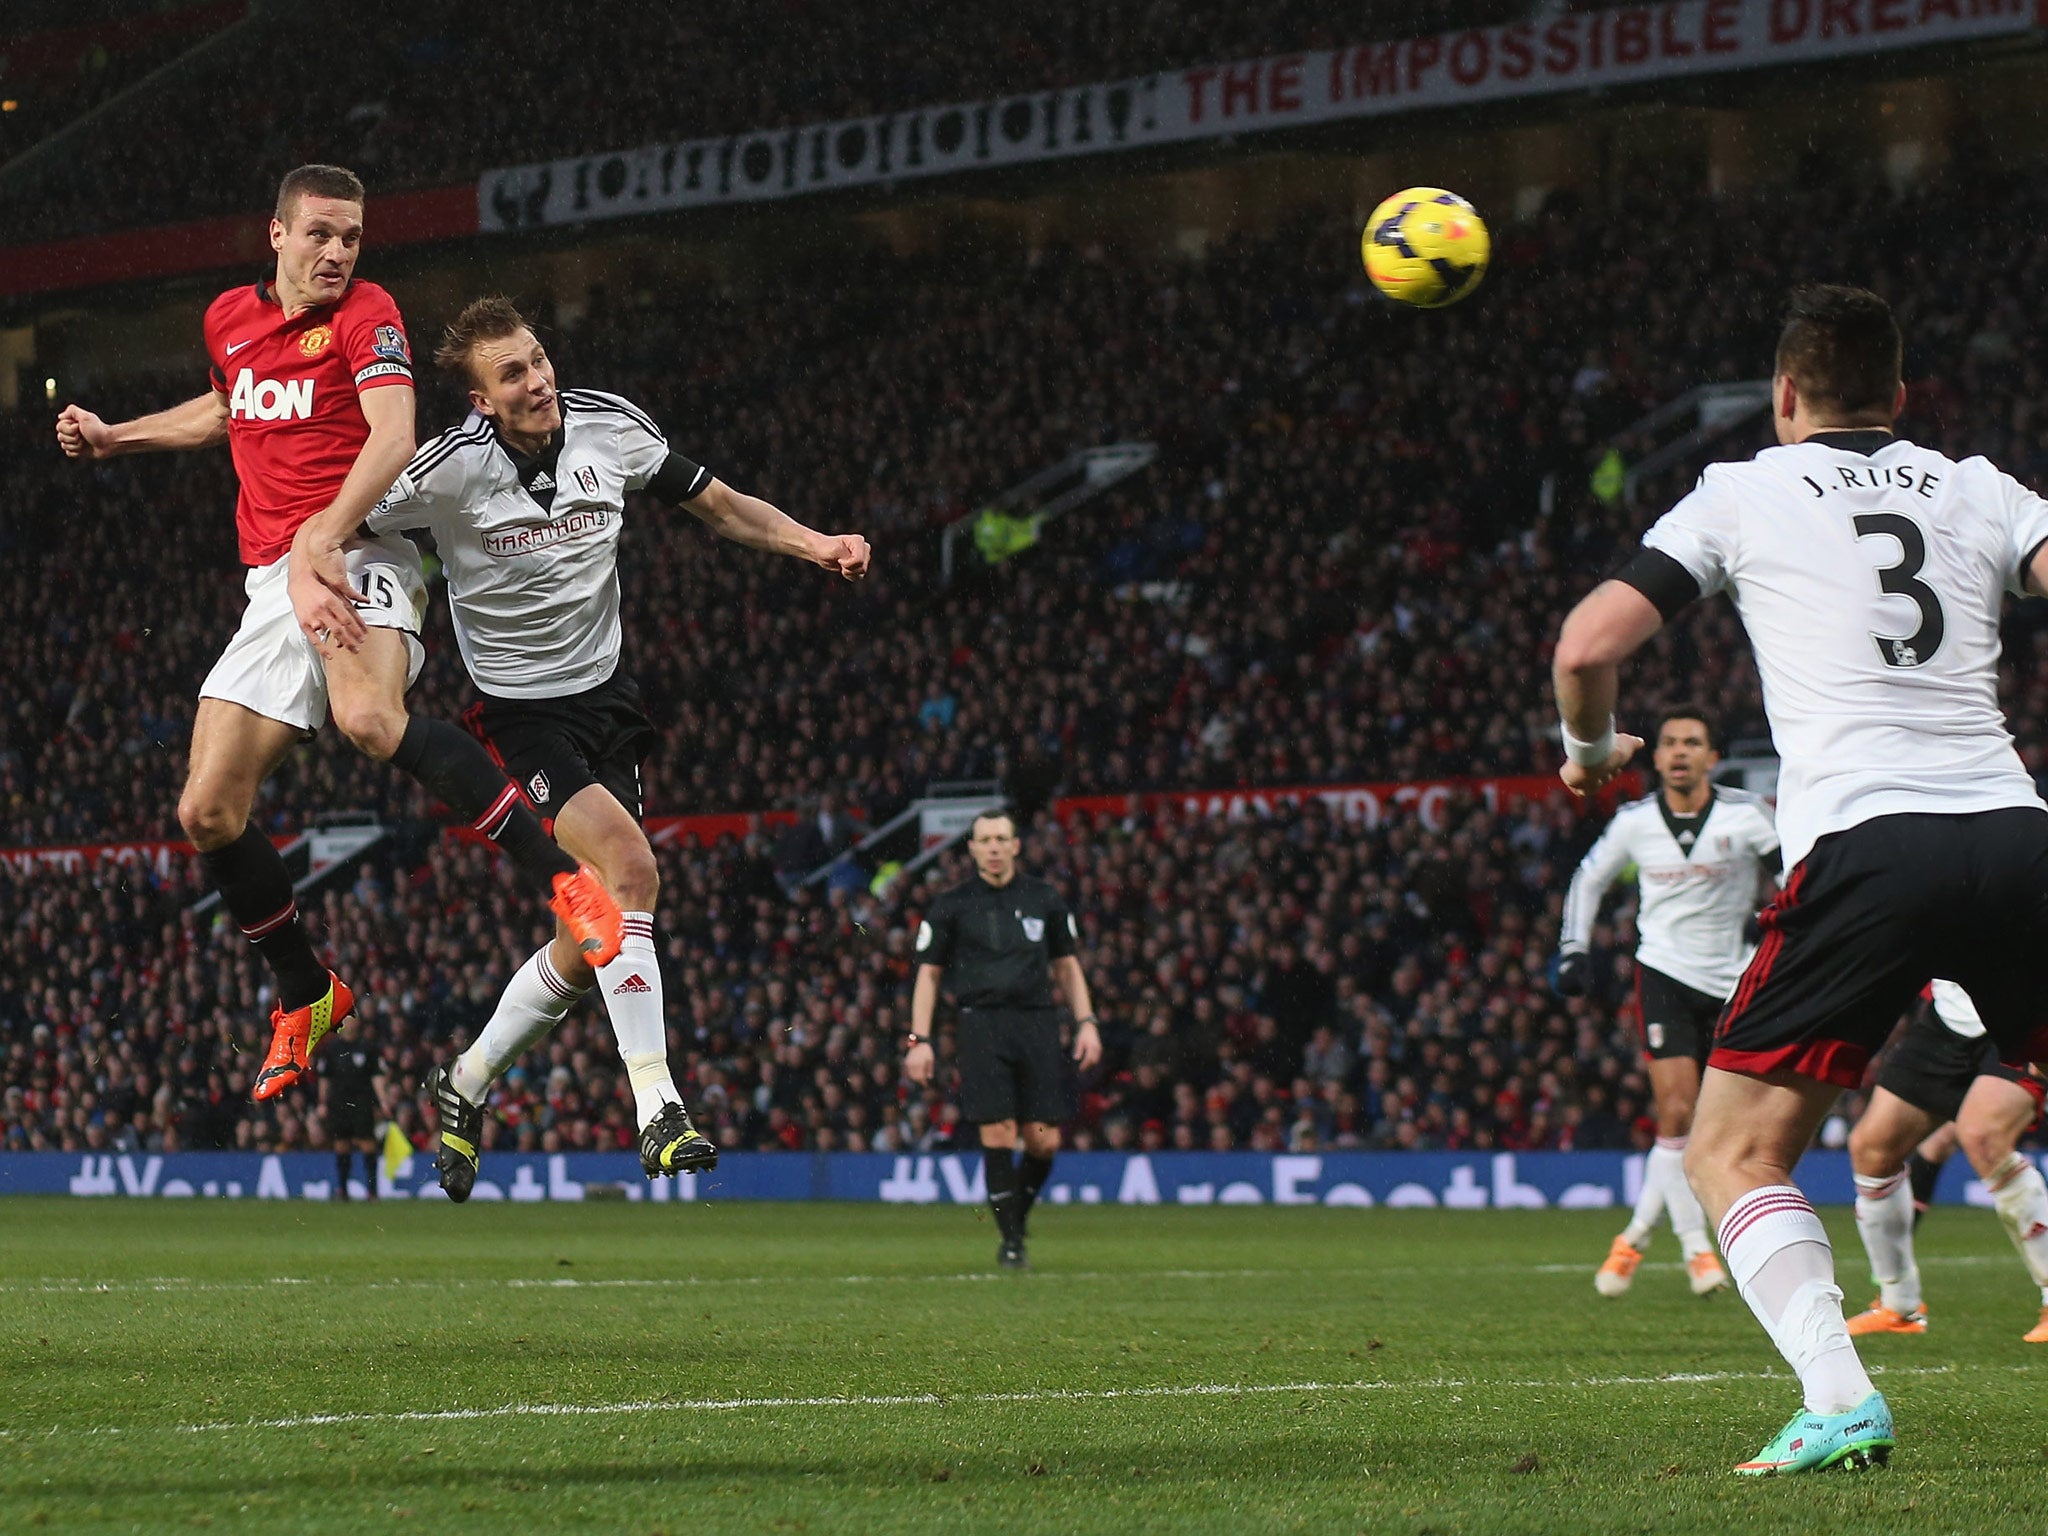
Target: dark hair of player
(1691, 712)
(316, 181)
(1841, 348)
(486, 319)
(997, 815)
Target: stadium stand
(1338, 570)
(615, 75)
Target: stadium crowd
(1340, 568)
(611, 74)
(1289, 983)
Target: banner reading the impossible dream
(1628, 46)
(1458, 1181)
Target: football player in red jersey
(312, 391)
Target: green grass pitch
(172, 1366)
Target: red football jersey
(295, 423)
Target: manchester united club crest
(315, 341)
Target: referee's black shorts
(555, 748)
(352, 1120)
(1931, 1067)
(1011, 1067)
(1869, 917)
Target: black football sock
(250, 875)
(1032, 1172)
(453, 767)
(341, 1162)
(1923, 1174)
(1000, 1170)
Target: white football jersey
(1870, 583)
(1699, 879)
(531, 547)
(1952, 1005)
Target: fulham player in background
(1703, 854)
(312, 390)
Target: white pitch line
(66, 1286)
(1045, 1395)
(938, 1399)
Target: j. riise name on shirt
(1879, 477)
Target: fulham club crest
(537, 786)
(587, 478)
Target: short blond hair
(486, 319)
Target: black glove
(1570, 974)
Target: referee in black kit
(1005, 938)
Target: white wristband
(1589, 754)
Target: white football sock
(1657, 1170)
(2021, 1195)
(1687, 1219)
(632, 996)
(533, 1003)
(1778, 1255)
(1884, 1217)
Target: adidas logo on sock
(632, 983)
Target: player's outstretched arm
(198, 423)
(759, 524)
(322, 599)
(1609, 625)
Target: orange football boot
(586, 908)
(1618, 1272)
(296, 1035)
(2040, 1331)
(1706, 1274)
(1882, 1319)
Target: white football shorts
(272, 668)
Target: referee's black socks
(1032, 1172)
(452, 765)
(999, 1169)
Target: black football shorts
(1931, 1067)
(1678, 1021)
(555, 748)
(1011, 1066)
(1869, 917)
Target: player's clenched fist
(81, 434)
(845, 554)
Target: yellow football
(1426, 247)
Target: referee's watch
(912, 1040)
(1091, 1019)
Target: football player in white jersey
(1870, 574)
(1938, 1060)
(525, 501)
(1703, 855)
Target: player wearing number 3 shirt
(312, 391)
(526, 500)
(1870, 573)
